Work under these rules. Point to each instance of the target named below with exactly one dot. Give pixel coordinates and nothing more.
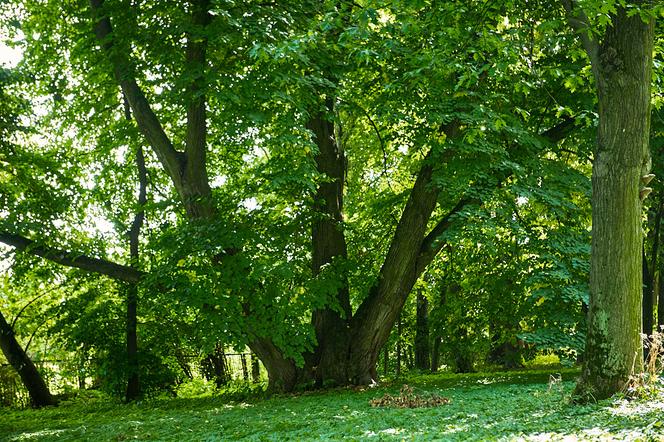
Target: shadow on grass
(484, 406)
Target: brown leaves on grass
(408, 399)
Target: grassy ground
(497, 406)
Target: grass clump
(648, 384)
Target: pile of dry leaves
(408, 399)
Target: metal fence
(64, 375)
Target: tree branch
(196, 63)
(69, 259)
(147, 121)
(431, 245)
(578, 21)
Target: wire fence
(66, 375)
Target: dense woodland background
(338, 189)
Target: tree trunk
(386, 360)
(245, 370)
(255, 369)
(422, 333)
(330, 359)
(647, 301)
(622, 66)
(398, 368)
(282, 372)
(133, 391)
(376, 316)
(40, 396)
(435, 354)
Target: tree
(40, 395)
(336, 111)
(621, 61)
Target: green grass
(496, 406)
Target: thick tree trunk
(40, 396)
(622, 65)
(422, 333)
(330, 359)
(376, 316)
(283, 374)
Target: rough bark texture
(622, 66)
(375, 317)
(40, 396)
(330, 359)
(422, 361)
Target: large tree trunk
(282, 373)
(376, 316)
(40, 396)
(622, 66)
(422, 333)
(330, 359)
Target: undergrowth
(648, 384)
(483, 406)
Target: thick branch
(560, 131)
(196, 64)
(578, 21)
(147, 121)
(69, 259)
(431, 244)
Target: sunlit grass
(499, 406)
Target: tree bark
(622, 65)
(187, 169)
(40, 396)
(330, 359)
(422, 361)
(72, 259)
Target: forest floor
(518, 405)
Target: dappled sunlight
(624, 407)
